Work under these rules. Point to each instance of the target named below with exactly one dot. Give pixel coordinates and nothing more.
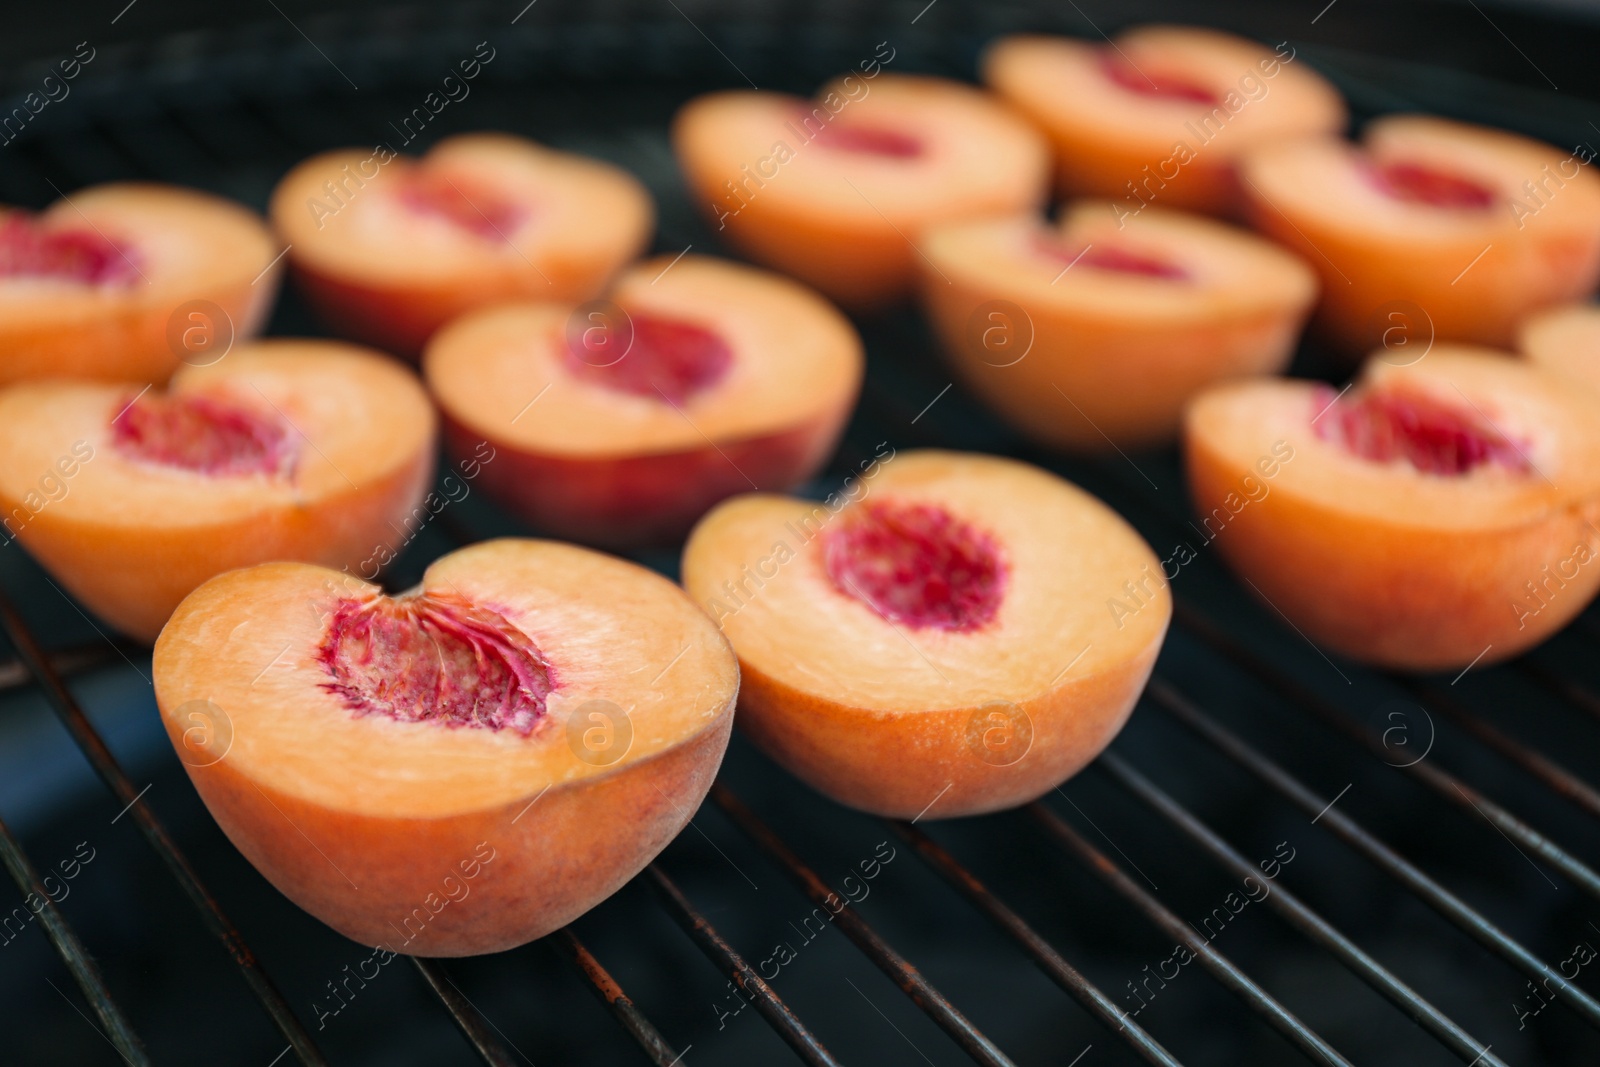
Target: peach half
(121, 282)
(1435, 515)
(1462, 230)
(1161, 113)
(836, 190)
(1093, 334)
(306, 450)
(387, 248)
(458, 769)
(1565, 340)
(955, 634)
(622, 422)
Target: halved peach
(463, 767)
(1435, 515)
(1565, 340)
(120, 282)
(621, 424)
(954, 634)
(1160, 113)
(1473, 228)
(836, 191)
(388, 248)
(308, 450)
(1090, 335)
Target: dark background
(229, 98)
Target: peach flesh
(1416, 183)
(917, 564)
(670, 357)
(1433, 436)
(482, 213)
(435, 658)
(202, 434)
(1150, 83)
(30, 250)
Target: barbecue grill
(1284, 858)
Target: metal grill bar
(1379, 854)
(616, 1001)
(768, 1003)
(467, 1017)
(1231, 977)
(1440, 781)
(1577, 695)
(111, 772)
(1304, 918)
(72, 952)
(850, 923)
(14, 673)
(1048, 959)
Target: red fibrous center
(205, 434)
(1149, 82)
(870, 140)
(435, 658)
(1416, 183)
(1434, 436)
(1109, 257)
(666, 357)
(29, 250)
(916, 564)
(471, 208)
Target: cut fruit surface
(553, 714)
(1473, 228)
(942, 642)
(1161, 114)
(1565, 340)
(388, 248)
(1093, 334)
(623, 424)
(835, 191)
(129, 280)
(310, 450)
(1432, 514)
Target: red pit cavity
(204, 434)
(916, 564)
(435, 658)
(1415, 183)
(1112, 258)
(481, 213)
(870, 140)
(29, 250)
(667, 358)
(1120, 70)
(1433, 436)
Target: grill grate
(200, 111)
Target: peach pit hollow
(1434, 436)
(205, 434)
(662, 357)
(30, 250)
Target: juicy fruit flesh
(1416, 183)
(1433, 436)
(1113, 258)
(869, 140)
(916, 564)
(666, 357)
(207, 435)
(1124, 74)
(435, 658)
(28, 250)
(476, 211)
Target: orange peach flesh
(130, 534)
(1388, 563)
(1565, 340)
(168, 248)
(1163, 114)
(828, 191)
(1465, 267)
(1103, 350)
(373, 823)
(582, 458)
(389, 249)
(900, 719)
